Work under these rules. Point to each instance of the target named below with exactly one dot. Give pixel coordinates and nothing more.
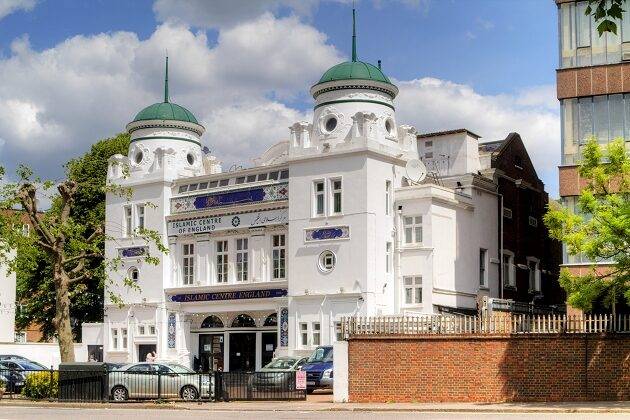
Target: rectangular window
(222, 261)
(140, 216)
(128, 221)
(600, 118)
(413, 229)
(428, 155)
(279, 256)
(19, 337)
(141, 330)
(335, 188)
(273, 175)
(483, 271)
(509, 275)
(318, 199)
(567, 35)
(304, 334)
(123, 334)
(242, 256)
(251, 178)
(585, 119)
(316, 333)
(152, 329)
(114, 338)
(413, 290)
(428, 143)
(338, 332)
(388, 196)
(388, 257)
(188, 264)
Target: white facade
(267, 260)
(7, 305)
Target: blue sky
(488, 65)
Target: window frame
(412, 290)
(279, 256)
(336, 196)
(188, 263)
(222, 262)
(533, 276)
(413, 228)
(316, 333)
(388, 197)
(389, 247)
(510, 280)
(318, 195)
(127, 221)
(241, 249)
(303, 334)
(483, 268)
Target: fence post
(50, 384)
(159, 397)
(199, 387)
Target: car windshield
(281, 363)
(321, 354)
(31, 365)
(179, 368)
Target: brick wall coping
(459, 337)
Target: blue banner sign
(241, 294)
(265, 193)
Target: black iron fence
(99, 384)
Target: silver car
(158, 380)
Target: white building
(268, 259)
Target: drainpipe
(501, 279)
(399, 233)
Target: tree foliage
(34, 266)
(600, 229)
(64, 248)
(606, 13)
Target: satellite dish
(416, 171)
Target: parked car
(113, 366)
(13, 379)
(140, 381)
(319, 369)
(12, 357)
(278, 374)
(24, 366)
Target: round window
(139, 157)
(327, 261)
(190, 158)
(389, 126)
(331, 124)
(134, 275)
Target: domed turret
(166, 137)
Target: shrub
(37, 385)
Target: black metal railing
(94, 385)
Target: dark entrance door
(242, 352)
(211, 352)
(143, 350)
(269, 340)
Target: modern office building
(593, 84)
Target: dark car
(278, 374)
(319, 369)
(12, 357)
(12, 379)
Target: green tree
(70, 235)
(606, 13)
(600, 229)
(35, 286)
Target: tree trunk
(62, 314)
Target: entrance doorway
(242, 352)
(269, 340)
(143, 350)
(210, 352)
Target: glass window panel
(567, 37)
(598, 45)
(626, 132)
(600, 118)
(583, 25)
(625, 25)
(613, 46)
(585, 124)
(616, 116)
(569, 133)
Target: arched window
(243, 321)
(272, 320)
(134, 274)
(212, 321)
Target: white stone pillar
(173, 253)
(340, 371)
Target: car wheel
(119, 393)
(189, 393)
(310, 390)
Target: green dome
(166, 111)
(354, 70)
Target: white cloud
(62, 99)
(435, 105)
(10, 6)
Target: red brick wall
(489, 369)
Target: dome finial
(354, 35)
(166, 80)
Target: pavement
(128, 413)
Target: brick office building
(593, 87)
(530, 257)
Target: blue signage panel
(241, 294)
(172, 330)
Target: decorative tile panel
(172, 330)
(284, 327)
(327, 233)
(266, 193)
(133, 252)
